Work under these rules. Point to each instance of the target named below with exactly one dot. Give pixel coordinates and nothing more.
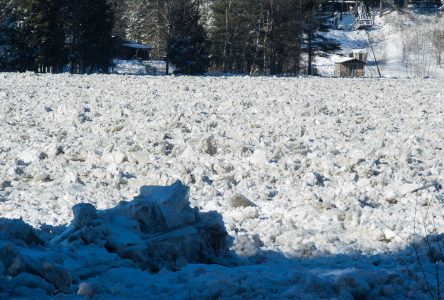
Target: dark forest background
(232, 36)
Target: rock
(239, 200)
(222, 168)
(58, 277)
(166, 146)
(41, 177)
(245, 246)
(149, 216)
(257, 240)
(84, 214)
(16, 262)
(196, 244)
(380, 235)
(390, 197)
(11, 259)
(114, 157)
(355, 156)
(54, 150)
(27, 157)
(109, 148)
(5, 184)
(157, 229)
(434, 253)
(139, 157)
(17, 230)
(408, 188)
(258, 158)
(173, 202)
(88, 289)
(31, 285)
(307, 249)
(117, 128)
(208, 146)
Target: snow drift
(158, 229)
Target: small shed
(350, 67)
(132, 50)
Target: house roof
(350, 60)
(137, 46)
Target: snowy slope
(402, 45)
(322, 183)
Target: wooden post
(165, 58)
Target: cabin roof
(350, 60)
(137, 46)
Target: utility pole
(373, 51)
(380, 8)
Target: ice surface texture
(337, 173)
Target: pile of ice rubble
(140, 250)
(322, 184)
(158, 229)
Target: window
(353, 72)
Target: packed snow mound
(158, 229)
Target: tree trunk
(258, 32)
(267, 30)
(404, 7)
(224, 58)
(310, 51)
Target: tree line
(235, 36)
(53, 35)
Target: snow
(322, 184)
(140, 67)
(399, 44)
(346, 59)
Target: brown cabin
(351, 67)
(132, 50)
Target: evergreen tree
(88, 28)
(143, 21)
(187, 40)
(309, 25)
(120, 10)
(283, 47)
(260, 36)
(8, 32)
(236, 34)
(31, 35)
(247, 36)
(41, 36)
(153, 22)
